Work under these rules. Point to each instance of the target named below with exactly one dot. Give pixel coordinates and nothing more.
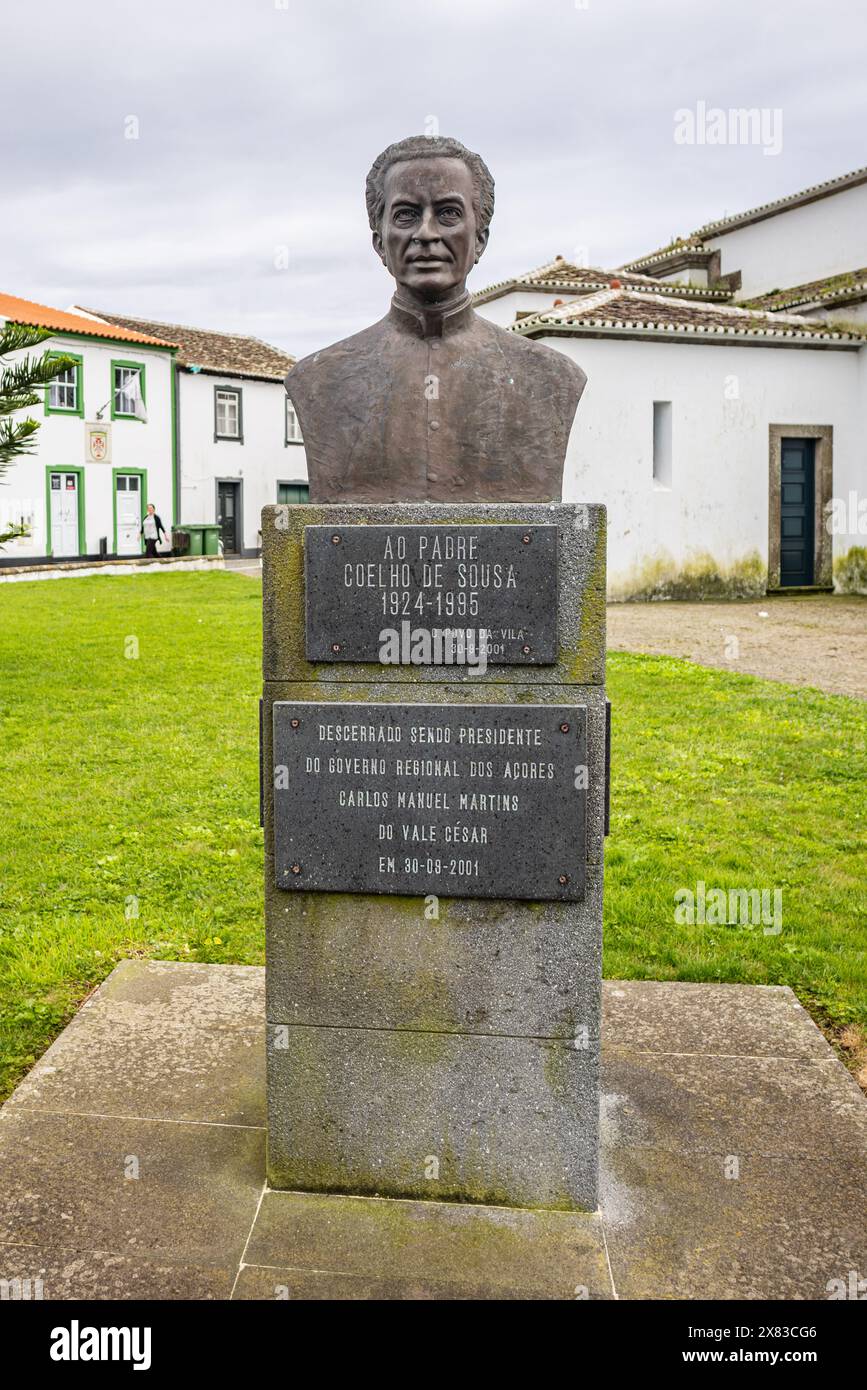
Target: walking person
(151, 528)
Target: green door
(797, 499)
(293, 492)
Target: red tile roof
(26, 311)
(628, 311)
(561, 274)
(226, 354)
(831, 290)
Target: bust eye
(404, 216)
(450, 214)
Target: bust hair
(429, 147)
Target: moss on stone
(659, 577)
(850, 571)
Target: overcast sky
(240, 206)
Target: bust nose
(428, 229)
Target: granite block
(509, 1121)
(581, 615)
(479, 967)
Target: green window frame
(78, 408)
(130, 366)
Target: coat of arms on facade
(97, 446)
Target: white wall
(695, 275)
(718, 500)
(263, 460)
(502, 311)
(60, 443)
(828, 237)
(847, 313)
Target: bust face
(429, 239)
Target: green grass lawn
(130, 820)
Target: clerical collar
(434, 320)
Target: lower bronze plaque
(463, 801)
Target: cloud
(256, 124)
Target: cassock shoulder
(558, 374)
(329, 363)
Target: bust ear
(481, 243)
(378, 247)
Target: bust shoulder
(330, 361)
(562, 377)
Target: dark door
(797, 499)
(293, 492)
(227, 516)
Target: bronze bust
(434, 402)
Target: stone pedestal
(450, 1056)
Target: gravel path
(816, 640)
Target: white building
(725, 438)
(238, 442)
(105, 444)
(807, 251)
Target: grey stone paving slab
(64, 1183)
(69, 1273)
(225, 994)
(255, 1283)
(723, 1020)
(384, 964)
(543, 1254)
(146, 1045)
(736, 1105)
(358, 1110)
(677, 1227)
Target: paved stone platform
(132, 1163)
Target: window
(63, 395)
(293, 492)
(293, 429)
(662, 444)
(127, 391)
(228, 419)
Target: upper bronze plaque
(422, 595)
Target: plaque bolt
(335, 646)
(296, 869)
(525, 540)
(335, 540)
(562, 880)
(294, 723)
(564, 728)
(526, 651)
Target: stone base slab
(132, 1163)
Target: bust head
(430, 203)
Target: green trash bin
(195, 533)
(212, 540)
